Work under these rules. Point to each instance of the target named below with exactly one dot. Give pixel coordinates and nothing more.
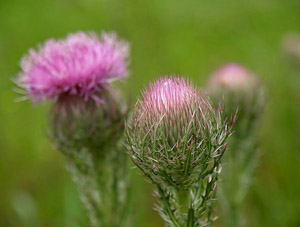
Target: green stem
(191, 218)
(84, 175)
(234, 217)
(167, 207)
(102, 185)
(239, 173)
(119, 200)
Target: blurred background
(192, 38)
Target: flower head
(76, 73)
(233, 77)
(291, 45)
(79, 65)
(169, 100)
(241, 91)
(175, 133)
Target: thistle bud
(176, 137)
(243, 94)
(291, 45)
(241, 91)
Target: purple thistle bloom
(291, 45)
(87, 114)
(173, 103)
(241, 90)
(233, 77)
(167, 97)
(79, 65)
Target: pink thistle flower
(79, 65)
(242, 92)
(173, 127)
(291, 45)
(233, 77)
(168, 96)
(172, 103)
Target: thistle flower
(291, 45)
(241, 91)
(176, 136)
(87, 115)
(233, 77)
(177, 139)
(76, 74)
(79, 65)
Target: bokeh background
(192, 38)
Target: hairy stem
(167, 207)
(85, 176)
(239, 176)
(199, 211)
(103, 186)
(191, 217)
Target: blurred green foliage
(191, 38)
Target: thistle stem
(241, 166)
(198, 212)
(102, 186)
(84, 175)
(167, 207)
(234, 220)
(191, 217)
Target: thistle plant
(177, 140)
(242, 92)
(291, 46)
(86, 117)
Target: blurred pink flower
(291, 45)
(233, 76)
(79, 65)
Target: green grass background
(192, 38)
